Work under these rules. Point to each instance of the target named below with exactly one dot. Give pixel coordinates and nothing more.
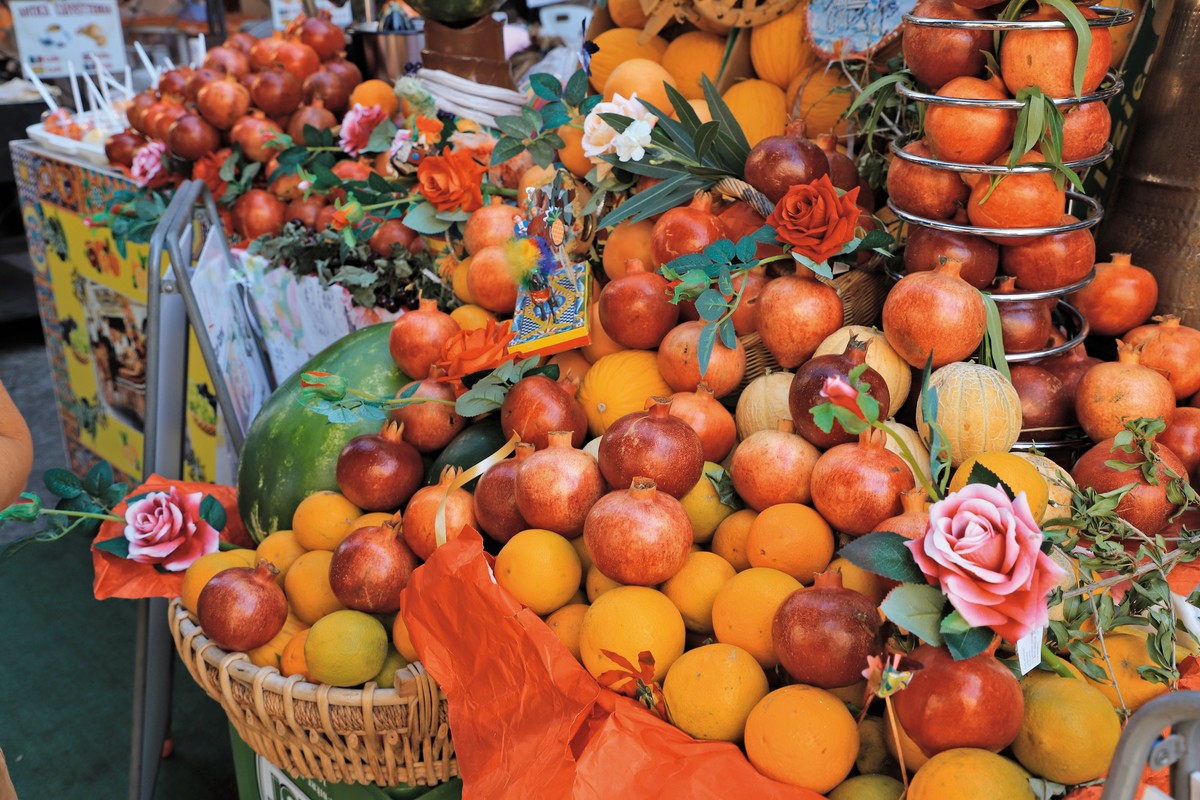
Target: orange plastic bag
(528, 720)
(129, 580)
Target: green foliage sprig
(534, 130)
(83, 504)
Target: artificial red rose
(452, 181)
(471, 351)
(815, 220)
(208, 169)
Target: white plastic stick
(146, 62)
(102, 78)
(203, 51)
(128, 81)
(74, 87)
(170, 64)
(99, 100)
(41, 87)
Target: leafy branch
(83, 504)
(534, 130)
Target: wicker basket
(388, 737)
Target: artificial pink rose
(166, 528)
(357, 126)
(838, 391)
(984, 551)
(148, 168)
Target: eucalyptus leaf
(710, 305)
(422, 218)
(916, 608)
(746, 249)
(727, 333)
(545, 86)
(708, 338)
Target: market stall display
(633, 455)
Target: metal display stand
(171, 304)
(1142, 744)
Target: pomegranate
(925, 191)
(223, 102)
(1046, 58)
(638, 536)
(796, 314)
(842, 172)
(805, 392)
(262, 53)
(913, 522)
(315, 116)
(495, 498)
(679, 361)
(323, 36)
(686, 230)
(745, 316)
(857, 486)
(773, 466)
(191, 138)
(328, 87)
(1146, 506)
(241, 41)
(777, 163)
(971, 703)
(389, 234)
(490, 281)
(1050, 262)
(379, 471)
(712, 421)
(156, 120)
(174, 82)
(1111, 393)
(306, 211)
(1085, 130)
(1121, 297)
(938, 55)
(556, 487)
(242, 608)
(349, 73)
(1045, 402)
(297, 58)
(228, 60)
(420, 516)
(138, 106)
(969, 135)
(824, 634)
(934, 313)
(1171, 349)
(537, 405)
(429, 426)
(277, 92)
(199, 79)
(489, 226)
(1182, 437)
(1019, 200)
(1025, 324)
(926, 247)
(636, 308)
(740, 219)
(417, 338)
(370, 568)
(120, 147)
(257, 136)
(258, 213)
(652, 444)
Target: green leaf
(721, 113)
(513, 126)
(507, 148)
(545, 86)
(746, 249)
(992, 348)
(884, 554)
(212, 512)
(705, 138)
(378, 183)
(725, 281)
(98, 478)
(587, 106)
(421, 217)
(114, 494)
(576, 91)
(710, 305)
(1083, 35)
(683, 110)
(118, 546)
(765, 235)
(541, 152)
(618, 122)
(708, 338)
(62, 483)
(554, 115)
(728, 334)
(983, 475)
(721, 251)
(917, 608)
(969, 643)
(658, 198)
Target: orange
(458, 282)
(745, 607)
(271, 653)
(729, 542)
(618, 45)
(579, 598)
(292, 662)
(402, 641)
(371, 520)
(571, 364)
(967, 773)
(1127, 652)
(1014, 472)
(914, 757)
(532, 178)
(1069, 731)
(601, 345)
(375, 93)
(803, 736)
(282, 550)
(571, 153)
(205, 567)
(307, 586)
(627, 621)
(701, 109)
(323, 519)
(585, 558)
(791, 538)
(540, 568)
(471, 317)
(857, 579)
(598, 583)
(694, 587)
(641, 77)
(565, 623)
(711, 690)
(628, 240)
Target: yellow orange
(597, 583)
(401, 639)
(371, 520)
(1069, 731)
(791, 538)
(803, 736)
(375, 93)
(967, 773)
(710, 691)
(471, 317)
(566, 624)
(571, 153)
(1127, 652)
(540, 568)
(627, 621)
(292, 661)
(571, 364)
(745, 607)
(307, 586)
(857, 579)
(271, 653)
(323, 519)
(282, 550)
(1014, 472)
(729, 542)
(625, 241)
(617, 45)
(641, 77)
(694, 587)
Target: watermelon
(475, 443)
(290, 451)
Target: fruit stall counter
(92, 302)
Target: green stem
(908, 456)
(769, 259)
(498, 191)
(1055, 663)
(82, 515)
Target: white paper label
(1029, 650)
(52, 34)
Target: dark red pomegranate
(198, 80)
(938, 55)
(824, 634)
(228, 60)
(1070, 367)
(243, 607)
(120, 147)
(537, 405)
(323, 36)
(925, 191)
(926, 247)
(842, 172)
(556, 487)
(777, 163)
(1025, 324)
(257, 136)
(638, 536)
(686, 230)
(190, 137)
(258, 213)
(307, 211)
(350, 74)
(391, 232)
(297, 58)
(636, 309)
(809, 380)
(857, 486)
(315, 116)
(380, 471)
(223, 103)
(1085, 130)
(429, 426)
(417, 338)
(1045, 402)
(655, 445)
(495, 498)
(329, 88)
(1182, 437)
(174, 81)
(370, 568)
(1146, 506)
(1050, 262)
(971, 703)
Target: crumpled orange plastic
(129, 580)
(527, 720)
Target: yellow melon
(779, 49)
(819, 96)
(627, 13)
(641, 77)
(692, 55)
(759, 107)
(619, 384)
(618, 45)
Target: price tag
(1029, 650)
(52, 34)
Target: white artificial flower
(631, 145)
(600, 138)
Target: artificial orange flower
(429, 127)
(452, 181)
(208, 169)
(479, 350)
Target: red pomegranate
(925, 191)
(379, 471)
(927, 247)
(636, 308)
(1121, 297)
(777, 163)
(495, 497)
(1050, 262)
(772, 467)
(421, 513)
(679, 361)
(536, 405)
(809, 380)
(417, 338)
(1111, 393)
(258, 213)
(796, 314)
(1182, 437)
(429, 426)
(1046, 58)
(557, 487)
(824, 634)
(370, 568)
(243, 607)
(686, 230)
(1146, 506)
(1173, 350)
(857, 486)
(711, 421)
(1045, 402)
(934, 313)
(1024, 324)
(655, 445)
(913, 522)
(638, 536)
(969, 135)
(936, 56)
